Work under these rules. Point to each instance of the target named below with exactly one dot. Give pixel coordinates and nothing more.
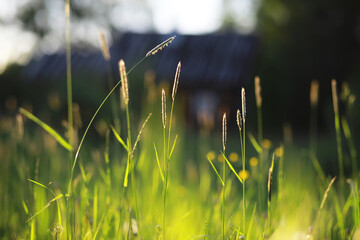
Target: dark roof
(208, 61)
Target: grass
(173, 194)
(104, 210)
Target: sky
(18, 44)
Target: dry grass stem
(314, 93)
(326, 193)
(104, 46)
(224, 131)
(163, 108)
(334, 96)
(124, 86)
(258, 92)
(176, 81)
(160, 46)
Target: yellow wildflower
(279, 151)
(266, 143)
(233, 157)
(211, 155)
(253, 161)
(244, 175)
(221, 158)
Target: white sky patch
(15, 45)
(186, 16)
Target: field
(153, 179)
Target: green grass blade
(158, 162)
(127, 170)
(25, 207)
(173, 147)
(95, 205)
(47, 128)
(355, 202)
(255, 143)
(98, 227)
(251, 222)
(43, 186)
(217, 173)
(83, 174)
(32, 231)
(318, 169)
(232, 169)
(37, 183)
(47, 205)
(117, 136)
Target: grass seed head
(314, 93)
(19, 126)
(334, 96)
(163, 107)
(224, 131)
(140, 133)
(258, 92)
(326, 193)
(104, 46)
(345, 91)
(160, 46)
(124, 86)
(243, 105)
(351, 100)
(239, 119)
(176, 81)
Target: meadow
(142, 180)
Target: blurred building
(214, 68)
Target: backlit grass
(183, 186)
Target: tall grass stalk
(269, 188)
(108, 170)
(258, 99)
(224, 133)
(163, 117)
(337, 128)
(314, 96)
(355, 202)
(323, 202)
(350, 142)
(174, 90)
(167, 155)
(130, 161)
(348, 99)
(239, 122)
(243, 108)
(70, 209)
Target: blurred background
(223, 45)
